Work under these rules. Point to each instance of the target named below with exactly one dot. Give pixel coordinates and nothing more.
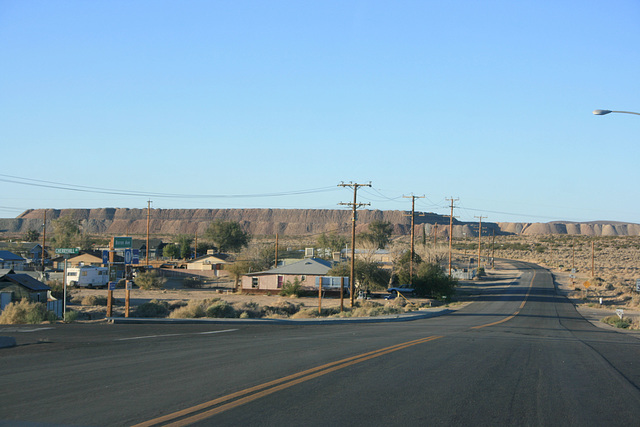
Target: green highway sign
(122, 242)
(67, 251)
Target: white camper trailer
(88, 276)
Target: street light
(603, 112)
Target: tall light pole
(605, 112)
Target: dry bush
(90, 300)
(282, 309)
(24, 312)
(193, 310)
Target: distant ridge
(292, 222)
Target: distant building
(23, 286)
(9, 260)
(305, 271)
(210, 261)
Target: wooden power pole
(413, 215)
(479, 237)
(451, 232)
(354, 206)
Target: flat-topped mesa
(292, 222)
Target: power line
(88, 189)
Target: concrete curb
(6, 342)
(407, 317)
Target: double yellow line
(233, 400)
(524, 301)
(208, 409)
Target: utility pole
(451, 231)
(413, 215)
(44, 239)
(355, 205)
(148, 220)
(479, 237)
(276, 266)
(593, 260)
(435, 235)
(195, 249)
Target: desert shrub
(282, 309)
(221, 309)
(292, 289)
(193, 282)
(71, 316)
(153, 308)
(150, 280)
(616, 321)
(94, 300)
(309, 313)
(24, 312)
(249, 310)
(193, 310)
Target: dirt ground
(174, 293)
(587, 300)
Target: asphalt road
(520, 355)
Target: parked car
(405, 289)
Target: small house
(305, 271)
(210, 261)
(9, 260)
(23, 286)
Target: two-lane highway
(520, 355)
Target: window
(254, 282)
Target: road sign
(67, 251)
(128, 256)
(637, 285)
(113, 274)
(136, 257)
(122, 242)
(111, 286)
(105, 257)
(586, 284)
(620, 313)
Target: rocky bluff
(122, 221)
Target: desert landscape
(587, 269)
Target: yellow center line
(516, 312)
(259, 391)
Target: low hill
(288, 222)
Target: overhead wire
(88, 189)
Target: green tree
(332, 241)
(184, 242)
(431, 281)
(402, 266)
(379, 233)
(171, 251)
(67, 233)
(239, 269)
(32, 236)
(369, 275)
(227, 235)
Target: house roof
(26, 281)
(309, 266)
(21, 246)
(223, 258)
(10, 256)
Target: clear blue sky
(272, 104)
